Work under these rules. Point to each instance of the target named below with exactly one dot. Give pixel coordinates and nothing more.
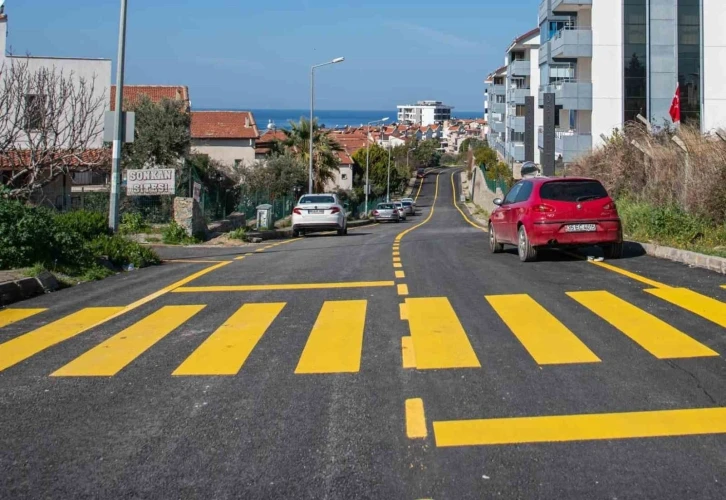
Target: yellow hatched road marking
(706, 307)
(652, 334)
(402, 289)
(547, 340)
(111, 356)
(415, 419)
(294, 286)
(335, 344)
(20, 348)
(400, 274)
(580, 427)
(10, 316)
(636, 277)
(227, 349)
(439, 340)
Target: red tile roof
(89, 158)
(224, 125)
(345, 158)
(133, 93)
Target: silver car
(386, 212)
(401, 209)
(410, 209)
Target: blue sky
(257, 53)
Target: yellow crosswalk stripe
(654, 335)
(227, 349)
(335, 344)
(439, 340)
(20, 348)
(111, 356)
(706, 307)
(10, 316)
(561, 428)
(546, 339)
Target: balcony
(497, 90)
(497, 107)
(498, 126)
(544, 53)
(570, 144)
(516, 96)
(571, 43)
(569, 5)
(569, 94)
(521, 67)
(515, 123)
(542, 11)
(515, 151)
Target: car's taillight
(375, 212)
(543, 209)
(611, 206)
(297, 211)
(334, 210)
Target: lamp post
(312, 108)
(118, 138)
(368, 155)
(388, 181)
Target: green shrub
(122, 252)
(238, 234)
(174, 234)
(88, 225)
(96, 273)
(26, 235)
(133, 223)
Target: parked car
(386, 212)
(420, 173)
(413, 202)
(318, 212)
(547, 212)
(410, 209)
(401, 209)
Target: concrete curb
(285, 233)
(26, 288)
(694, 259)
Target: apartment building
(608, 61)
(497, 89)
(424, 113)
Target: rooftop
(224, 125)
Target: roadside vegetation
(665, 195)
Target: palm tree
(325, 148)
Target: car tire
(494, 244)
(295, 233)
(527, 253)
(613, 251)
(341, 232)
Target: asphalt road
(403, 361)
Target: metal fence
(494, 184)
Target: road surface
(403, 361)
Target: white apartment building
(424, 113)
(607, 61)
(497, 113)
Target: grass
(174, 234)
(238, 234)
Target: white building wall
(343, 179)
(227, 150)
(714, 65)
(607, 68)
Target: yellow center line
(420, 185)
(400, 274)
(182, 261)
(403, 289)
(415, 419)
(397, 265)
(453, 187)
(293, 286)
(636, 277)
(408, 356)
(431, 214)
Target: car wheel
(613, 250)
(341, 232)
(295, 233)
(494, 244)
(527, 253)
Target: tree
(50, 121)
(378, 169)
(427, 153)
(278, 176)
(162, 136)
(485, 156)
(325, 148)
(474, 142)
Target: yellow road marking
(403, 311)
(21, 348)
(10, 316)
(637, 277)
(415, 419)
(397, 259)
(240, 257)
(112, 355)
(293, 286)
(439, 340)
(182, 261)
(335, 344)
(407, 353)
(580, 427)
(402, 289)
(227, 349)
(706, 307)
(431, 214)
(397, 265)
(400, 274)
(456, 205)
(547, 340)
(420, 185)
(396, 253)
(652, 334)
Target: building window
(635, 49)
(689, 60)
(344, 177)
(34, 111)
(237, 163)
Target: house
(263, 146)
(226, 136)
(157, 93)
(344, 176)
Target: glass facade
(635, 57)
(689, 60)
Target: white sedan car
(318, 212)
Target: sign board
(151, 182)
(109, 126)
(197, 192)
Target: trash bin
(264, 217)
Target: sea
(336, 118)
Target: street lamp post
(312, 108)
(368, 155)
(113, 206)
(388, 181)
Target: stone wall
(188, 214)
(480, 194)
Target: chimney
(247, 120)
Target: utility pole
(113, 221)
(388, 182)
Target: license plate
(580, 228)
(316, 211)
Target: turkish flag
(675, 111)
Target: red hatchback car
(544, 212)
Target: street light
(312, 107)
(388, 181)
(368, 155)
(118, 138)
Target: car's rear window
(406, 203)
(385, 206)
(572, 191)
(316, 199)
